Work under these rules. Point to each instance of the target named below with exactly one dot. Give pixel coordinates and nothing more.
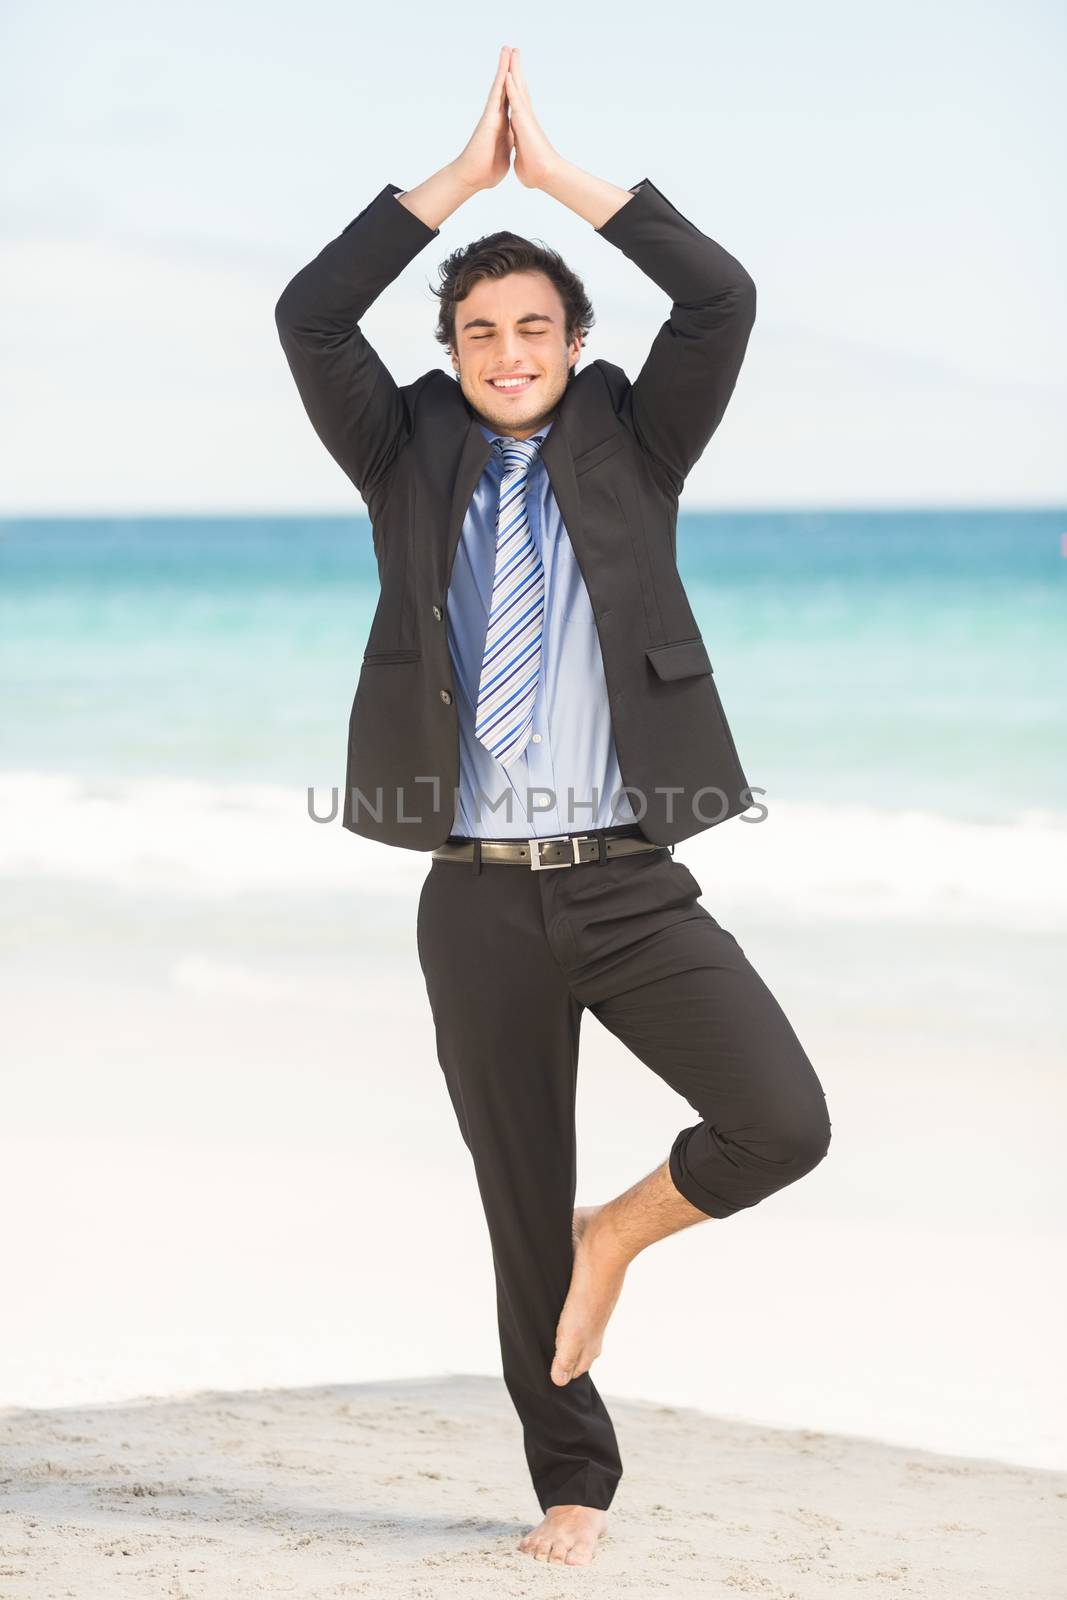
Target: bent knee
(799, 1144)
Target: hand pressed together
(507, 124)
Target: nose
(512, 355)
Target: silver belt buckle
(537, 865)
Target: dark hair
(495, 256)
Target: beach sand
(418, 1488)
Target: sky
(891, 177)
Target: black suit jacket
(617, 457)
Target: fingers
(518, 77)
(516, 91)
(496, 93)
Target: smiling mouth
(511, 387)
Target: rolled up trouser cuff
(711, 1204)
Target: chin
(520, 416)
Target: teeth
(509, 383)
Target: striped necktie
(511, 661)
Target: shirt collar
(491, 436)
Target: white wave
(803, 862)
(862, 863)
(187, 836)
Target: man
(536, 707)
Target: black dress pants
(511, 958)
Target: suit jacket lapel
(473, 455)
(559, 464)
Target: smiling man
(537, 708)
(516, 344)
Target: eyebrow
(531, 316)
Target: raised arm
(351, 398)
(681, 393)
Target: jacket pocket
(391, 655)
(684, 658)
(597, 453)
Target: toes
(560, 1543)
(579, 1555)
(568, 1365)
(564, 1362)
(567, 1358)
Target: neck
(525, 432)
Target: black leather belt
(549, 850)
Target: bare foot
(596, 1283)
(566, 1536)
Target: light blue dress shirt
(567, 780)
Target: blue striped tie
(511, 661)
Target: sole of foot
(596, 1283)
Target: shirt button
(437, 612)
(536, 738)
(446, 696)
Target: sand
(418, 1488)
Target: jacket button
(446, 696)
(437, 612)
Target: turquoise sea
(884, 658)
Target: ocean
(891, 659)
